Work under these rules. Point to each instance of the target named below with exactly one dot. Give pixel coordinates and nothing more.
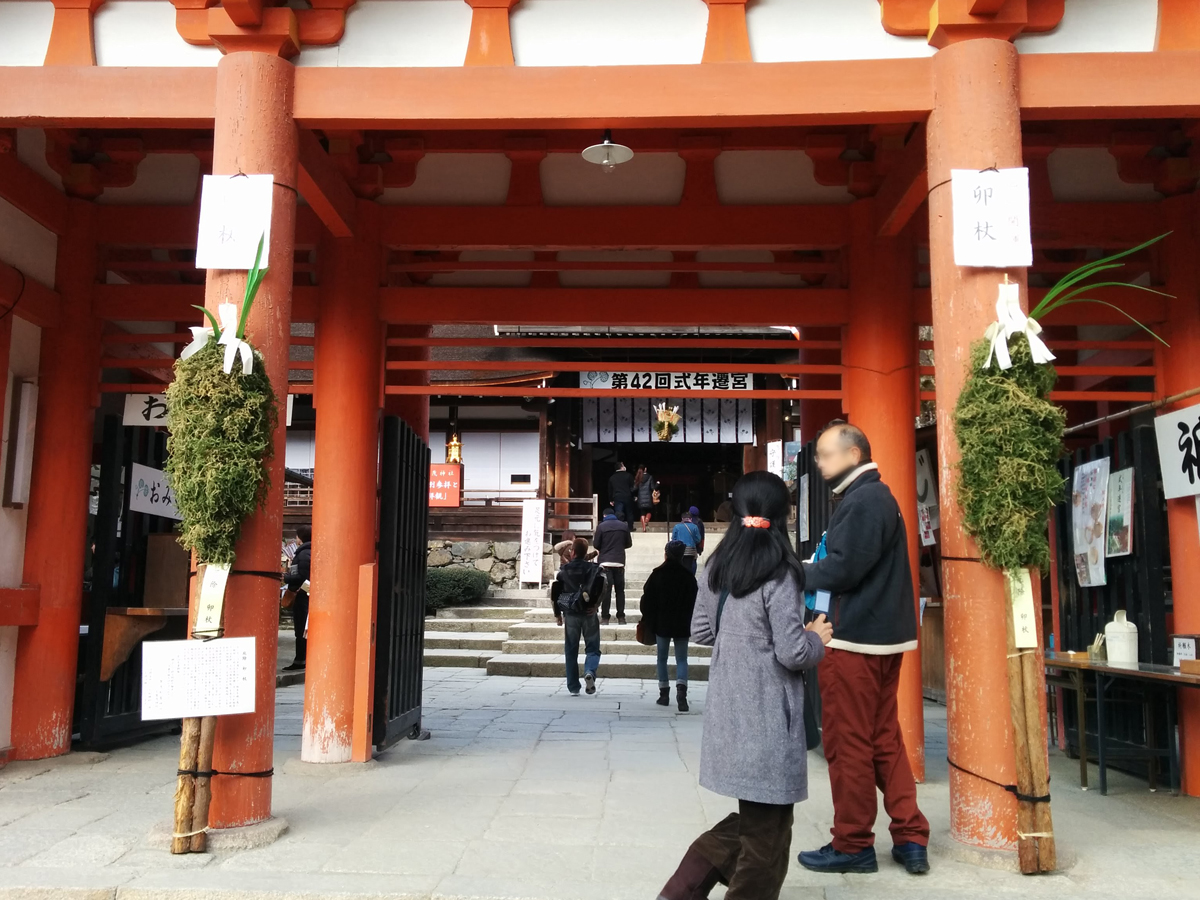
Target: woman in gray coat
(750, 608)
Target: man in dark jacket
(620, 493)
(612, 539)
(575, 601)
(866, 572)
(298, 574)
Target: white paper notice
(150, 492)
(533, 524)
(1020, 591)
(235, 211)
(775, 457)
(991, 218)
(211, 601)
(1178, 435)
(181, 679)
(145, 409)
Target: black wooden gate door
(400, 616)
(109, 711)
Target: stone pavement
(524, 792)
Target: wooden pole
(185, 786)
(1026, 849)
(203, 790)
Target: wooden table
(1105, 675)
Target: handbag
(645, 635)
(656, 496)
(288, 599)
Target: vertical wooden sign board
(1035, 831)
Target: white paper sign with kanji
(182, 679)
(150, 492)
(533, 526)
(991, 218)
(145, 409)
(1024, 613)
(211, 601)
(235, 212)
(1178, 435)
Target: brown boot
(694, 878)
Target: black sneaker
(835, 862)
(296, 666)
(913, 857)
(590, 680)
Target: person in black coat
(298, 573)
(668, 601)
(620, 493)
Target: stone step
(613, 666)
(481, 612)
(546, 616)
(523, 594)
(468, 659)
(527, 631)
(619, 648)
(465, 640)
(454, 624)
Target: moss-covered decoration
(1010, 439)
(221, 438)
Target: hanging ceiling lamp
(606, 154)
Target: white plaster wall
(301, 450)
(1098, 26)
(649, 179)
(772, 176)
(398, 33)
(1089, 174)
(22, 364)
(31, 150)
(798, 30)
(25, 33)
(455, 179)
(608, 32)
(26, 245)
(142, 33)
(162, 178)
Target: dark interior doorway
(700, 475)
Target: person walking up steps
(580, 585)
(668, 601)
(612, 539)
(620, 493)
(692, 538)
(750, 608)
(647, 494)
(866, 570)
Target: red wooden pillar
(975, 123)
(347, 400)
(412, 408)
(1180, 372)
(254, 133)
(879, 350)
(68, 386)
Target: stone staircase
(515, 633)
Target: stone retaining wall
(499, 559)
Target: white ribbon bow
(200, 337)
(234, 346)
(1010, 320)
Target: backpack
(581, 588)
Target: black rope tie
(200, 773)
(1011, 788)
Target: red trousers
(864, 747)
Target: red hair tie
(756, 522)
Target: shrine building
(526, 223)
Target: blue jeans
(589, 628)
(681, 645)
